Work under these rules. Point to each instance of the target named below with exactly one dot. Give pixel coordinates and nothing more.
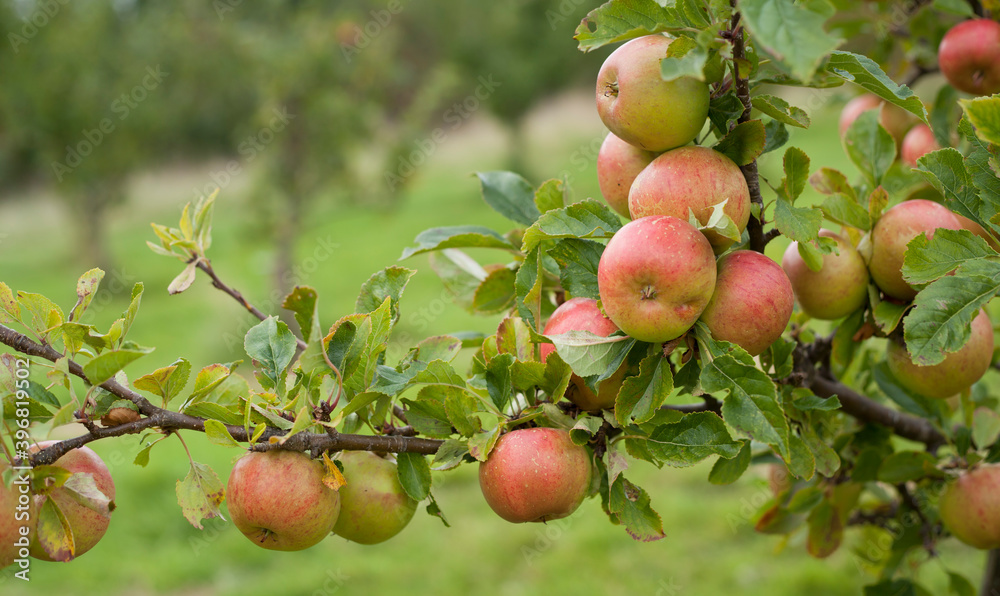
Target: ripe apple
(17, 510)
(926, 191)
(969, 56)
(752, 302)
(656, 277)
(535, 475)
(583, 314)
(917, 142)
(970, 507)
(88, 526)
(893, 118)
(839, 288)
(278, 500)
(893, 232)
(639, 107)
(618, 163)
(373, 505)
(692, 178)
(956, 373)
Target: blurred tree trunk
(991, 578)
(91, 206)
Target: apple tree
(858, 371)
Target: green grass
(711, 547)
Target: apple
(970, 507)
(752, 302)
(17, 510)
(642, 109)
(956, 373)
(893, 118)
(917, 142)
(893, 231)
(618, 163)
(278, 500)
(373, 505)
(969, 56)
(839, 288)
(656, 277)
(535, 475)
(692, 179)
(583, 314)
(926, 191)
(88, 526)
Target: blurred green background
(336, 134)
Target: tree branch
(206, 266)
(168, 420)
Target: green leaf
(621, 20)
(456, 237)
(499, 381)
(45, 314)
(218, 434)
(829, 181)
(744, 143)
(909, 401)
(984, 114)
(776, 134)
(985, 427)
(870, 147)
(272, 346)
(184, 279)
(166, 382)
(450, 455)
(586, 219)
(865, 72)
(200, 494)
(302, 302)
(459, 273)
(8, 304)
(826, 530)
(751, 405)
(957, 584)
(945, 170)
(388, 283)
(905, 466)
(427, 415)
(414, 475)
(461, 408)
(798, 223)
(781, 110)
(105, 366)
(81, 488)
(796, 168)
(685, 58)
(589, 354)
(898, 587)
(942, 314)
(86, 287)
(642, 395)
(692, 439)
(54, 533)
(728, 471)
(631, 505)
(128, 317)
(482, 444)
(928, 260)
(842, 209)
(208, 409)
(887, 315)
(792, 32)
(528, 288)
(510, 195)
(550, 195)
(578, 261)
(496, 292)
(208, 379)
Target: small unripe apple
(88, 526)
(642, 109)
(618, 163)
(278, 500)
(956, 373)
(839, 288)
(583, 314)
(656, 277)
(535, 475)
(969, 56)
(752, 302)
(373, 505)
(692, 179)
(894, 119)
(919, 141)
(893, 232)
(970, 507)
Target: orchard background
(336, 135)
